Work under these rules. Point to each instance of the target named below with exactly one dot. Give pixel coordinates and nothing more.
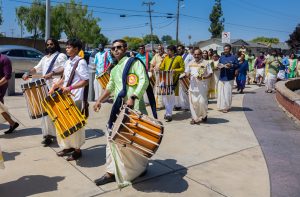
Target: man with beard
(50, 65)
(123, 164)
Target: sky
(244, 19)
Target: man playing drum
(176, 64)
(102, 60)
(72, 143)
(50, 65)
(5, 75)
(199, 71)
(129, 165)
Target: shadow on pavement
(10, 156)
(4, 126)
(241, 109)
(29, 185)
(93, 156)
(181, 116)
(93, 133)
(168, 183)
(22, 133)
(211, 120)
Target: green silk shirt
(137, 82)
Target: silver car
(23, 58)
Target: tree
(77, 22)
(148, 38)
(265, 40)
(294, 41)
(133, 42)
(168, 40)
(217, 22)
(33, 18)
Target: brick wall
(287, 98)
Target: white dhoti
(169, 102)
(76, 140)
(48, 126)
(260, 72)
(224, 95)
(124, 163)
(198, 101)
(183, 98)
(97, 88)
(270, 81)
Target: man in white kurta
(53, 50)
(199, 71)
(73, 142)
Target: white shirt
(81, 73)
(45, 62)
(193, 69)
(188, 59)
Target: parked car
(22, 57)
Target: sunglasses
(116, 47)
(50, 44)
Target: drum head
(118, 123)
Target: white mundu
(77, 139)
(42, 67)
(198, 88)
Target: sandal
(193, 122)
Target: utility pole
(47, 30)
(149, 4)
(177, 19)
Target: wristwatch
(133, 97)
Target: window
(16, 53)
(4, 52)
(32, 54)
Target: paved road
(279, 138)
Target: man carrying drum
(102, 61)
(173, 63)
(5, 75)
(49, 66)
(73, 143)
(129, 165)
(155, 63)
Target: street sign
(225, 37)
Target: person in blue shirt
(144, 56)
(102, 61)
(228, 65)
(243, 69)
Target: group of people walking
(197, 76)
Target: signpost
(225, 37)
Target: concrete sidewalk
(220, 158)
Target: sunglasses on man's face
(116, 47)
(50, 44)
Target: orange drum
(185, 83)
(65, 115)
(103, 79)
(165, 82)
(34, 93)
(138, 132)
